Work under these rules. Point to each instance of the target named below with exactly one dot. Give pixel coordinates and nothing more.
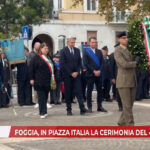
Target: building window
(59, 4)
(91, 5)
(61, 41)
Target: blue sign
(25, 32)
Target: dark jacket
(40, 73)
(90, 64)
(69, 63)
(106, 70)
(22, 72)
(113, 67)
(5, 71)
(30, 57)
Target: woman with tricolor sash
(42, 77)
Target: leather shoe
(89, 110)
(83, 111)
(101, 109)
(69, 113)
(109, 100)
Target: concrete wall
(105, 32)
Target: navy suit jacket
(90, 64)
(70, 63)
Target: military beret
(121, 34)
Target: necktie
(72, 51)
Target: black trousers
(114, 90)
(4, 99)
(24, 92)
(84, 84)
(90, 83)
(42, 100)
(106, 89)
(73, 88)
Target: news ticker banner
(74, 132)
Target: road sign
(25, 32)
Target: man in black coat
(24, 88)
(70, 65)
(93, 61)
(114, 70)
(106, 74)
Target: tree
(136, 42)
(137, 8)
(17, 13)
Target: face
(93, 43)
(104, 52)
(44, 50)
(2, 55)
(123, 40)
(26, 53)
(37, 46)
(71, 42)
(56, 59)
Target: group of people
(79, 76)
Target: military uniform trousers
(127, 97)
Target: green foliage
(17, 13)
(107, 7)
(136, 42)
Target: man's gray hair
(71, 37)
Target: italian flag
(146, 30)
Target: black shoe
(146, 97)
(69, 113)
(89, 110)
(58, 103)
(30, 104)
(6, 106)
(109, 100)
(138, 99)
(101, 109)
(83, 111)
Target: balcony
(120, 16)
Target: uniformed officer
(126, 79)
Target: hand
(96, 73)
(32, 82)
(74, 74)
(137, 59)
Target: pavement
(29, 116)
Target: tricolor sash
(51, 68)
(93, 56)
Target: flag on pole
(146, 30)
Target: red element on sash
(48, 67)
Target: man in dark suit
(70, 64)
(93, 61)
(106, 74)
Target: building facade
(81, 21)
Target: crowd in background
(66, 77)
